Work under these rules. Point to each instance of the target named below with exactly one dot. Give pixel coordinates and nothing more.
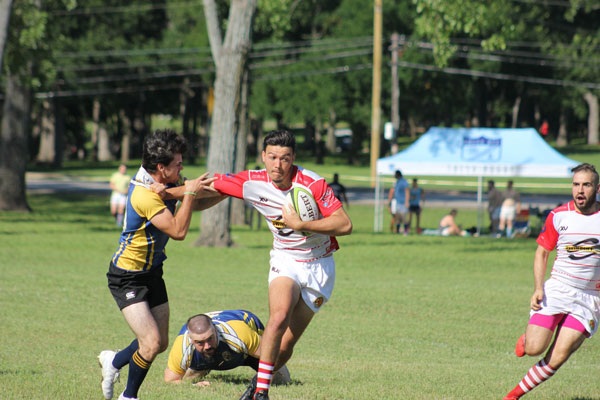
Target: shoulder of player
(306, 177)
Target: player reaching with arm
(568, 302)
(136, 269)
(302, 270)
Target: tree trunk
(126, 136)
(331, 131)
(230, 57)
(592, 101)
(260, 137)
(561, 139)
(46, 152)
(5, 11)
(59, 129)
(515, 112)
(238, 206)
(95, 128)
(13, 146)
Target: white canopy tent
(476, 152)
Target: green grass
(411, 317)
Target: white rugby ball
(303, 203)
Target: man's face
(584, 191)
(170, 173)
(206, 342)
(278, 163)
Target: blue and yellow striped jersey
(239, 334)
(142, 245)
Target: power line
(122, 9)
(499, 76)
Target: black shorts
(129, 287)
(415, 209)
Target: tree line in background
(83, 79)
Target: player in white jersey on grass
(568, 302)
(302, 269)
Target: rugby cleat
(110, 374)
(122, 397)
(247, 395)
(520, 346)
(261, 395)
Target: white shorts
(315, 278)
(118, 199)
(508, 212)
(583, 305)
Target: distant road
(46, 183)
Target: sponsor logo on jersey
(562, 228)
(263, 199)
(276, 270)
(130, 295)
(589, 246)
(592, 324)
(226, 355)
(318, 301)
(277, 223)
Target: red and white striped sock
(265, 374)
(537, 374)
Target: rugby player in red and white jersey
(302, 272)
(568, 302)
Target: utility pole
(376, 93)
(395, 90)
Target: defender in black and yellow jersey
(218, 340)
(135, 271)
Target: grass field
(411, 317)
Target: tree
(229, 56)
(5, 10)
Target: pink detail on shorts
(546, 321)
(551, 321)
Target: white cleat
(122, 397)
(110, 374)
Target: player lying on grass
(219, 340)
(568, 302)
(302, 270)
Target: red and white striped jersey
(257, 189)
(576, 237)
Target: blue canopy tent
(476, 152)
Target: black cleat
(261, 395)
(250, 389)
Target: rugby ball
(303, 203)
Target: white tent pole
(376, 227)
(479, 202)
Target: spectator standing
(511, 206)
(339, 191)
(401, 195)
(494, 205)
(119, 184)
(417, 198)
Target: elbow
(346, 229)
(179, 236)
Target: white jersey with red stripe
(576, 237)
(257, 189)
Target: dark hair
(589, 168)
(160, 148)
(398, 174)
(280, 137)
